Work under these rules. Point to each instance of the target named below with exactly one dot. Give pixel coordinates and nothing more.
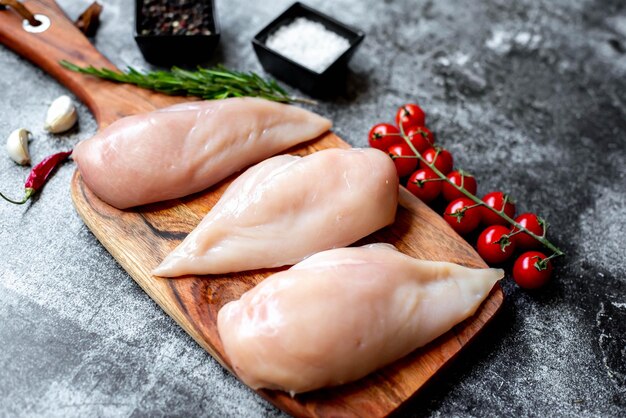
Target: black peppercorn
(176, 17)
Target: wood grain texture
(140, 238)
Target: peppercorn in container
(176, 31)
(308, 49)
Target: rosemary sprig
(206, 83)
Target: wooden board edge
(78, 195)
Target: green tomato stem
(556, 252)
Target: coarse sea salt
(308, 43)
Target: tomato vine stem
(556, 252)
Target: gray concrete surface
(530, 96)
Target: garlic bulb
(61, 115)
(17, 146)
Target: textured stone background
(529, 95)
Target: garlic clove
(61, 115)
(17, 146)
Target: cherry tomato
(443, 160)
(489, 247)
(461, 179)
(528, 271)
(427, 191)
(384, 135)
(467, 220)
(531, 222)
(404, 166)
(496, 201)
(421, 138)
(409, 116)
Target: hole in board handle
(44, 24)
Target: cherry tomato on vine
(530, 272)
(441, 157)
(384, 135)
(461, 219)
(404, 166)
(409, 116)
(421, 137)
(461, 179)
(427, 190)
(491, 249)
(531, 222)
(496, 201)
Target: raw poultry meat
(287, 208)
(183, 149)
(341, 314)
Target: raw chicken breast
(287, 208)
(341, 314)
(183, 149)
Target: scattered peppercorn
(176, 17)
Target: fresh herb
(206, 83)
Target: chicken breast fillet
(286, 208)
(344, 313)
(183, 149)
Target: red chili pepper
(39, 175)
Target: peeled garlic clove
(61, 115)
(17, 146)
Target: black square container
(330, 82)
(177, 49)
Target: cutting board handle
(63, 41)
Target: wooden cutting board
(139, 239)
